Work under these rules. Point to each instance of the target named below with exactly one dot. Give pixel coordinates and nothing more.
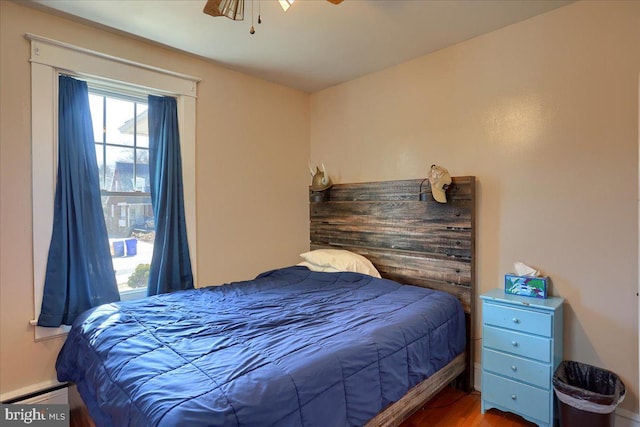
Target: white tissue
(524, 270)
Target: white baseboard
(626, 418)
(60, 396)
(623, 418)
(32, 394)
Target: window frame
(50, 58)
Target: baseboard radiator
(49, 396)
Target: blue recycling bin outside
(118, 248)
(132, 246)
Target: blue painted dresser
(521, 349)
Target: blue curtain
(79, 271)
(170, 265)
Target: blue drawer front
(517, 368)
(527, 321)
(529, 346)
(516, 397)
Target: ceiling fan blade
(232, 9)
(212, 8)
(335, 1)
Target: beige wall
(246, 223)
(545, 114)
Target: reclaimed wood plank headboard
(423, 243)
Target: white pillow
(334, 260)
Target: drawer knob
(514, 343)
(514, 397)
(516, 320)
(514, 368)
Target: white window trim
(49, 58)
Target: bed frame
(413, 240)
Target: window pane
(131, 229)
(97, 110)
(120, 122)
(129, 218)
(119, 174)
(142, 170)
(142, 126)
(100, 160)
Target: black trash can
(587, 395)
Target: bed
(294, 346)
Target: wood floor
(455, 408)
(450, 408)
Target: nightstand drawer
(517, 368)
(530, 346)
(520, 320)
(517, 397)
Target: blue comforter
(290, 348)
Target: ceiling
(315, 44)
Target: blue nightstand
(521, 349)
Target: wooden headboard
(423, 243)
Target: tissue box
(526, 286)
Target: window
(48, 58)
(121, 135)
